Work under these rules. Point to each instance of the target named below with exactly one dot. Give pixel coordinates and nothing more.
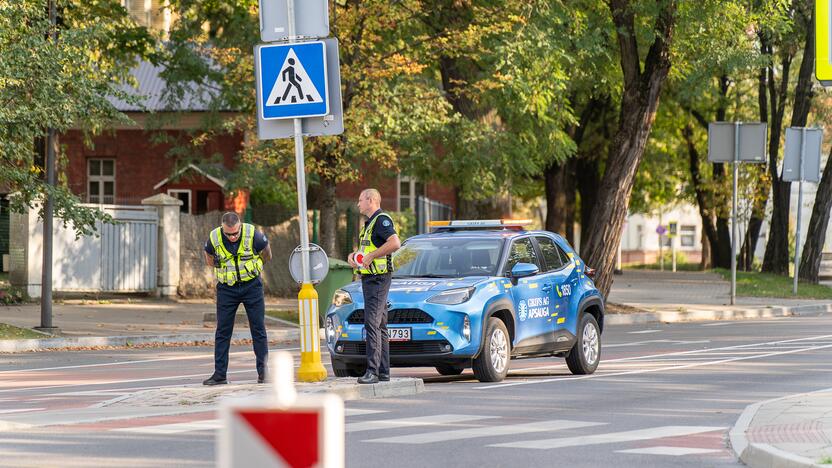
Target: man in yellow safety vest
(378, 241)
(237, 251)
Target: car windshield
(453, 257)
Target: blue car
(477, 294)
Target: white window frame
(691, 233)
(100, 179)
(173, 192)
(411, 195)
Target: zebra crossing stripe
(611, 438)
(487, 431)
(672, 451)
(360, 412)
(178, 428)
(435, 420)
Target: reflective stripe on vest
(379, 266)
(246, 262)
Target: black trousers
(229, 298)
(375, 288)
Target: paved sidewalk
(789, 432)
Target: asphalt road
(664, 394)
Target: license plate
(399, 334)
(394, 334)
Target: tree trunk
(720, 253)
(329, 217)
(588, 178)
(560, 197)
(638, 112)
(776, 259)
(705, 262)
(818, 224)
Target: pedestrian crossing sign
(292, 80)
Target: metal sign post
(801, 162)
(311, 369)
(735, 233)
(734, 143)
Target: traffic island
(790, 432)
(199, 395)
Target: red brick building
(126, 164)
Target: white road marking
(611, 438)
(486, 431)
(641, 332)
(20, 410)
(436, 420)
(638, 343)
(360, 412)
(672, 451)
(177, 428)
(655, 369)
(106, 364)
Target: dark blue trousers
(229, 298)
(375, 289)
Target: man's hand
(368, 259)
(351, 260)
(209, 259)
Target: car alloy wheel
(499, 350)
(590, 343)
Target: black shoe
(261, 379)
(384, 377)
(368, 378)
(214, 381)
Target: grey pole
(300, 171)
(46, 269)
(799, 206)
(734, 230)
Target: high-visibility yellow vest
(245, 266)
(379, 266)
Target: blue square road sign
(292, 80)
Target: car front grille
(399, 347)
(395, 316)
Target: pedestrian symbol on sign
(293, 85)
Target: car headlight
(330, 329)
(341, 297)
(453, 296)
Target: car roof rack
(482, 224)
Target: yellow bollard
(311, 369)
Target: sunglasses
(231, 234)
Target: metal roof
(152, 88)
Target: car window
(450, 257)
(563, 256)
(550, 253)
(522, 251)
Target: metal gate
(121, 257)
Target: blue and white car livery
(477, 294)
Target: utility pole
(46, 271)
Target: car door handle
(546, 287)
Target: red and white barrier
(282, 429)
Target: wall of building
(139, 163)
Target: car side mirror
(522, 270)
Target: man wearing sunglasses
(237, 251)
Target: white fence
(121, 257)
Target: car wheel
(448, 369)
(585, 355)
(341, 369)
(492, 363)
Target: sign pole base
(311, 369)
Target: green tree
(61, 84)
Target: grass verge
(10, 332)
(667, 266)
(755, 284)
(287, 315)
